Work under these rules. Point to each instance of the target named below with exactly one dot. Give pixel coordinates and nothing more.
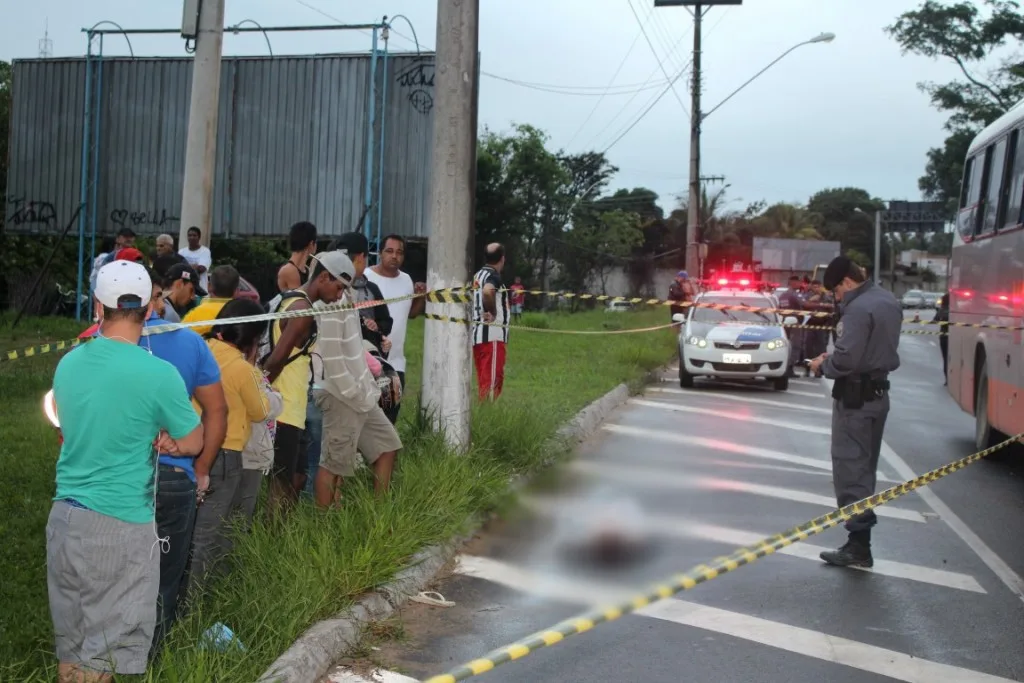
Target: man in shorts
(102, 549)
(288, 368)
(348, 397)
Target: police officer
(865, 352)
(791, 299)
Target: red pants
(489, 359)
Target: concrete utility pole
(446, 346)
(693, 215)
(201, 146)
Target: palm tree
(789, 221)
(713, 227)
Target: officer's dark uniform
(791, 300)
(867, 339)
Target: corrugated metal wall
(292, 143)
(777, 254)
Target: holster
(853, 391)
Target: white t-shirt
(392, 288)
(199, 257)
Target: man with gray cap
(865, 352)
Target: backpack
(267, 340)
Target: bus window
(1015, 189)
(967, 219)
(995, 164)
(965, 191)
(1006, 180)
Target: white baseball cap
(120, 279)
(337, 263)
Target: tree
(597, 243)
(788, 221)
(966, 36)
(847, 216)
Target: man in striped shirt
(347, 395)
(490, 320)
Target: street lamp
(878, 242)
(820, 38)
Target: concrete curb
(311, 656)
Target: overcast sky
(846, 113)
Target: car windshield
(715, 316)
(914, 292)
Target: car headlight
(775, 344)
(699, 342)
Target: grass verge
(281, 583)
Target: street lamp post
(700, 8)
(878, 244)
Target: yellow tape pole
(702, 573)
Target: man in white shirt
(394, 283)
(198, 256)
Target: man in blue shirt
(116, 404)
(177, 488)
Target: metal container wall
(292, 144)
(777, 254)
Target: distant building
(919, 259)
(779, 258)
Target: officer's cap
(838, 269)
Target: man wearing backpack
(286, 354)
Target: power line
(663, 92)
(558, 89)
(597, 104)
(654, 52)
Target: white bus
(986, 366)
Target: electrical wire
(647, 110)
(654, 52)
(597, 104)
(558, 89)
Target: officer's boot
(855, 553)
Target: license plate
(737, 358)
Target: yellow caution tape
(703, 573)
(461, 295)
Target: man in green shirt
(118, 405)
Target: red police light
(723, 281)
(744, 282)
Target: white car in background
(733, 344)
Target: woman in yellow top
(234, 347)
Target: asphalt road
(717, 467)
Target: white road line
(666, 436)
(377, 676)
(726, 415)
(1010, 578)
(742, 399)
(1000, 568)
(662, 479)
(843, 651)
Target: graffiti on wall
(41, 215)
(126, 218)
(418, 80)
(24, 212)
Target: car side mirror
(679, 317)
(790, 320)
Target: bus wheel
(984, 434)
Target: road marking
(1010, 578)
(999, 567)
(662, 479)
(801, 641)
(742, 399)
(727, 447)
(717, 444)
(724, 414)
(377, 676)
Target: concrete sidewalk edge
(311, 656)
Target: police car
(732, 344)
